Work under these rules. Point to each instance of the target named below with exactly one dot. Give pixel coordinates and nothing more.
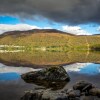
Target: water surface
(79, 66)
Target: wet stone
(54, 95)
(45, 95)
(74, 93)
(95, 92)
(49, 77)
(51, 74)
(82, 86)
(32, 96)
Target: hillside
(51, 39)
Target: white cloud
(75, 30)
(98, 29)
(47, 28)
(21, 27)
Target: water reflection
(11, 85)
(37, 59)
(19, 70)
(83, 68)
(9, 76)
(79, 66)
(12, 51)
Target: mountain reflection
(37, 59)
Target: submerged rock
(55, 77)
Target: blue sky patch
(44, 23)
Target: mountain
(33, 31)
(50, 39)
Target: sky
(73, 16)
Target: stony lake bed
(56, 81)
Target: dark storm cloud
(65, 11)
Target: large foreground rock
(54, 77)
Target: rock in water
(82, 91)
(49, 77)
(54, 95)
(95, 92)
(31, 96)
(45, 95)
(83, 86)
(74, 94)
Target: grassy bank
(54, 41)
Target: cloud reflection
(84, 68)
(19, 70)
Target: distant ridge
(34, 31)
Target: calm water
(79, 66)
